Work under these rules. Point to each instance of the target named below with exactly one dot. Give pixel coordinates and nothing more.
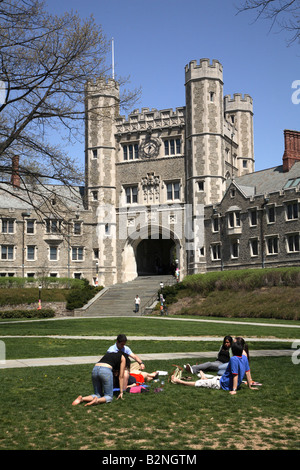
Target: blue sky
(155, 39)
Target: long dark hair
(226, 338)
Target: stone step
(118, 300)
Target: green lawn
(36, 411)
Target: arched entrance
(155, 256)
(149, 252)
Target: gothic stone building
(162, 188)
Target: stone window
(292, 241)
(130, 151)
(173, 191)
(77, 228)
(253, 246)
(31, 252)
(8, 225)
(234, 219)
(53, 253)
(95, 195)
(253, 217)
(292, 211)
(7, 252)
(77, 253)
(200, 185)
(172, 147)
(215, 224)
(272, 245)
(30, 226)
(270, 214)
(215, 251)
(131, 194)
(53, 226)
(234, 248)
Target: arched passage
(155, 256)
(149, 252)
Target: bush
(78, 297)
(43, 313)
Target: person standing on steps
(137, 302)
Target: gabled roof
(71, 197)
(267, 181)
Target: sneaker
(189, 368)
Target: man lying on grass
(231, 379)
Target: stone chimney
(291, 149)
(15, 176)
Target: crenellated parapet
(102, 87)
(238, 103)
(204, 70)
(150, 118)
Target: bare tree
(45, 62)
(282, 13)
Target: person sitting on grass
(221, 361)
(231, 379)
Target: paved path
(62, 361)
(42, 362)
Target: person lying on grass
(231, 379)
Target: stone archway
(154, 256)
(149, 252)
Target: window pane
(169, 191)
(166, 147)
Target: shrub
(43, 313)
(78, 297)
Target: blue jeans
(222, 368)
(102, 378)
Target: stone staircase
(118, 300)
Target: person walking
(137, 302)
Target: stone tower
(102, 109)
(239, 113)
(205, 166)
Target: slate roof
(20, 199)
(267, 181)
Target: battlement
(102, 87)
(141, 120)
(238, 103)
(205, 69)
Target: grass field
(36, 411)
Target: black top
(113, 359)
(223, 355)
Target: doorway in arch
(155, 256)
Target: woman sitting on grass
(102, 378)
(222, 359)
(231, 379)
